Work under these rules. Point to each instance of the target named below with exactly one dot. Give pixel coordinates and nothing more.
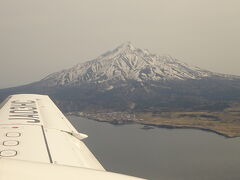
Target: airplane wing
(38, 142)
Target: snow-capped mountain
(126, 63)
(135, 80)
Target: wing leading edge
(35, 133)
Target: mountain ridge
(128, 63)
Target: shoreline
(165, 126)
(189, 127)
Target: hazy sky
(38, 37)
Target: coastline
(189, 127)
(150, 125)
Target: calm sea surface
(162, 154)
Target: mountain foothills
(129, 84)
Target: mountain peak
(126, 45)
(125, 48)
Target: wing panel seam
(46, 143)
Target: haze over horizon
(41, 37)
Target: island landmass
(225, 123)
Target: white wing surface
(38, 142)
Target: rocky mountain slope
(126, 63)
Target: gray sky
(43, 36)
